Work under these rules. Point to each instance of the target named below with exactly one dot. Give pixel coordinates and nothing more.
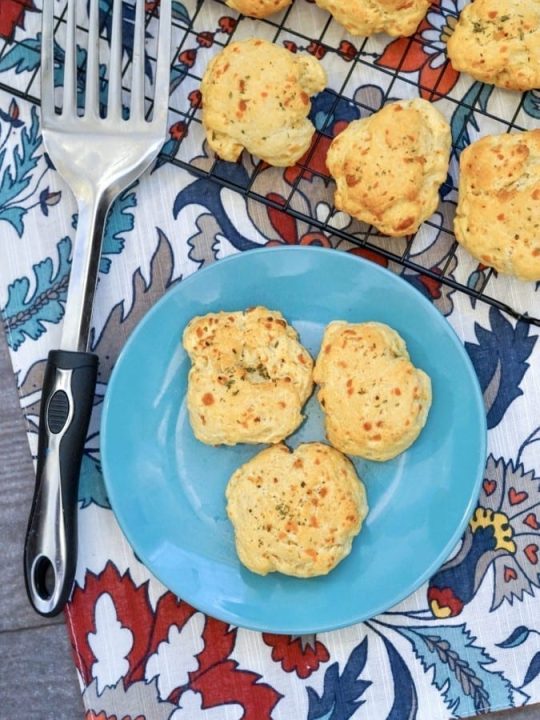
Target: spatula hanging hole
(44, 577)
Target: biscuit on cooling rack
(249, 379)
(498, 42)
(374, 400)
(367, 17)
(258, 8)
(256, 95)
(389, 166)
(498, 212)
(295, 512)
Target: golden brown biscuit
(374, 400)
(258, 8)
(498, 212)
(367, 17)
(249, 378)
(256, 96)
(389, 167)
(498, 42)
(295, 512)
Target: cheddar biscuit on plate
(295, 512)
(498, 214)
(389, 166)
(367, 17)
(498, 42)
(249, 378)
(256, 95)
(374, 400)
(258, 8)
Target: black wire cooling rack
(202, 28)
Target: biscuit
(374, 400)
(295, 512)
(249, 378)
(388, 167)
(258, 8)
(498, 213)
(256, 96)
(367, 17)
(498, 42)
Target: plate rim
(445, 552)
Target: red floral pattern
(12, 15)
(301, 655)
(436, 76)
(218, 678)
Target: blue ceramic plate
(167, 489)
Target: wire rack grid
(360, 83)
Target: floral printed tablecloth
(467, 642)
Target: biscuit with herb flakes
(258, 8)
(367, 17)
(389, 166)
(498, 214)
(256, 96)
(249, 378)
(295, 512)
(498, 42)
(375, 401)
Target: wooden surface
(37, 675)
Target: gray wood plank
(37, 676)
(38, 681)
(527, 713)
(16, 488)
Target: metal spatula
(98, 158)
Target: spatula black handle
(50, 553)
